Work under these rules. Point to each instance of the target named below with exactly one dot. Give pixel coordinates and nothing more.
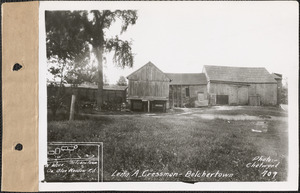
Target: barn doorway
(158, 106)
(201, 96)
(222, 100)
(136, 105)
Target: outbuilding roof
(146, 72)
(238, 74)
(187, 78)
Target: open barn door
(222, 100)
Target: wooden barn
(148, 89)
(152, 90)
(187, 90)
(240, 86)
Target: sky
(181, 39)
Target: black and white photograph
(175, 92)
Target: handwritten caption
(74, 162)
(187, 174)
(268, 164)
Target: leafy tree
(65, 36)
(95, 33)
(122, 81)
(71, 32)
(67, 52)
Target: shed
(148, 89)
(188, 90)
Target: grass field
(184, 141)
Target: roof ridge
(233, 66)
(148, 63)
(238, 74)
(184, 73)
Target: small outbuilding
(188, 90)
(148, 89)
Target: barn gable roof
(149, 64)
(238, 74)
(187, 78)
(277, 76)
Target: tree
(67, 52)
(65, 38)
(71, 32)
(95, 33)
(122, 81)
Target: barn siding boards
(242, 85)
(243, 95)
(149, 72)
(178, 94)
(194, 82)
(239, 94)
(216, 85)
(148, 83)
(278, 78)
(267, 93)
(150, 86)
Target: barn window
(187, 91)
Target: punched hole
(19, 147)
(17, 67)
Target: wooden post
(72, 108)
(148, 106)
(177, 100)
(172, 97)
(181, 104)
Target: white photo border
(290, 184)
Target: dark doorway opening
(136, 105)
(222, 100)
(158, 106)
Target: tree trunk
(72, 108)
(99, 57)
